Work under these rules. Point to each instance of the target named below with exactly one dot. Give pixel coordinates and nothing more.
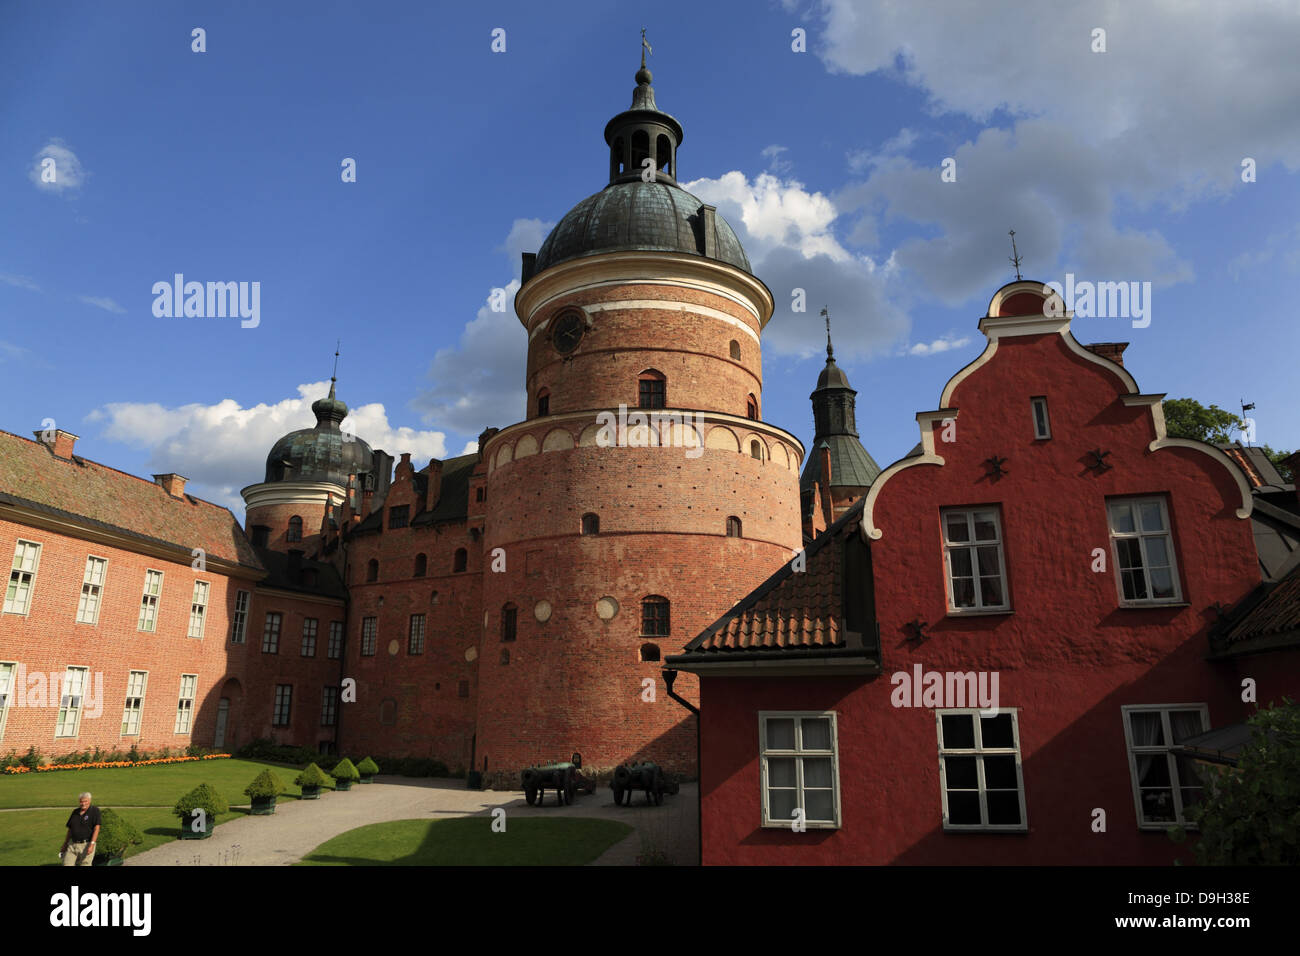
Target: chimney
(172, 483)
(405, 470)
(824, 481)
(57, 441)
(1109, 350)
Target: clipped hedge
(203, 796)
(367, 768)
(345, 769)
(116, 834)
(265, 784)
(313, 776)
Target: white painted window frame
(288, 708)
(70, 705)
(268, 632)
(1174, 780)
(92, 590)
(310, 628)
(1136, 501)
(22, 578)
(798, 752)
(199, 609)
(978, 751)
(1045, 432)
(334, 647)
(185, 704)
(8, 670)
(137, 711)
(239, 620)
(149, 602)
(972, 545)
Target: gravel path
(299, 826)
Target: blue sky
(225, 166)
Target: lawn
(33, 837)
(160, 785)
(469, 841)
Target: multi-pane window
(654, 616)
(185, 705)
(294, 531)
(74, 689)
(135, 686)
(1042, 427)
(369, 634)
(509, 622)
(309, 636)
(651, 393)
(283, 700)
(1143, 551)
(800, 769)
(153, 581)
(972, 545)
(980, 777)
(1164, 783)
(733, 527)
(415, 640)
(92, 588)
(329, 706)
(198, 608)
(399, 516)
(239, 623)
(334, 649)
(22, 578)
(271, 633)
(6, 693)
(591, 524)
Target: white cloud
(223, 447)
(10, 351)
(864, 159)
(21, 282)
(777, 163)
(102, 302)
(945, 343)
(66, 170)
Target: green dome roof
(323, 453)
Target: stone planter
(109, 859)
(263, 806)
(188, 832)
(368, 778)
(311, 793)
(340, 785)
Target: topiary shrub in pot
(266, 786)
(115, 835)
(198, 811)
(345, 774)
(311, 780)
(367, 768)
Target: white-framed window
(239, 623)
(1042, 426)
(283, 703)
(271, 633)
(135, 688)
(309, 625)
(1164, 784)
(972, 550)
(185, 705)
(198, 608)
(6, 692)
(153, 581)
(799, 768)
(92, 588)
(22, 577)
(1143, 548)
(329, 706)
(369, 636)
(334, 650)
(415, 640)
(70, 700)
(980, 777)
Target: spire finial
(644, 48)
(335, 374)
(830, 352)
(1015, 256)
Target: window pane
(986, 528)
(988, 558)
(1151, 518)
(819, 805)
(963, 807)
(962, 773)
(1004, 807)
(957, 529)
(963, 592)
(1130, 553)
(1162, 583)
(958, 732)
(1000, 772)
(816, 733)
(1121, 518)
(780, 735)
(1158, 551)
(996, 731)
(1135, 586)
(1153, 770)
(1184, 724)
(961, 564)
(781, 804)
(780, 772)
(991, 592)
(1157, 805)
(817, 772)
(1147, 729)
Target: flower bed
(113, 763)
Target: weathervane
(830, 354)
(337, 343)
(644, 47)
(1015, 256)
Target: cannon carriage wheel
(530, 796)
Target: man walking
(83, 832)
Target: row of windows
(72, 696)
(310, 626)
(652, 392)
(1142, 552)
(981, 780)
(22, 586)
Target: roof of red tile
(1269, 618)
(103, 497)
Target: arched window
(640, 149)
(372, 570)
(733, 527)
(433, 598)
(462, 558)
(751, 408)
(735, 350)
(591, 524)
(616, 157)
(664, 154)
(654, 616)
(756, 449)
(544, 402)
(509, 622)
(652, 389)
(649, 652)
(295, 529)
(421, 565)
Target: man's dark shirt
(81, 827)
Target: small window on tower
(735, 350)
(591, 524)
(421, 565)
(460, 560)
(733, 527)
(652, 393)
(295, 529)
(654, 616)
(751, 408)
(756, 449)
(509, 622)
(1042, 428)
(544, 402)
(480, 494)
(649, 652)
(261, 536)
(372, 570)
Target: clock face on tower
(568, 332)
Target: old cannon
(560, 777)
(646, 776)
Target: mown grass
(470, 841)
(33, 837)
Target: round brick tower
(643, 495)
